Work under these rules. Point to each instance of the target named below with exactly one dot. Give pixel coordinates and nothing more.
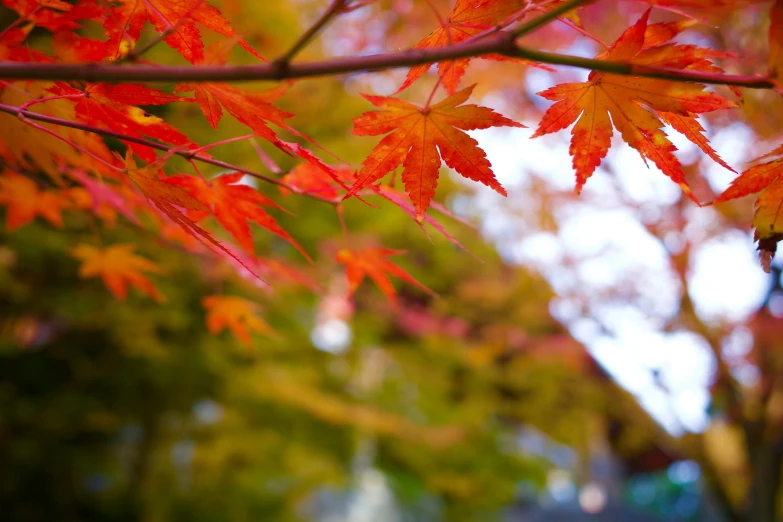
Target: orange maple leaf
(590, 104)
(234, 205)
(372, 262)
(24, 201)
(235, 313)
(766, 178)
(72, 48)
(119, 268)
(54, 15)
(251, 108)
(468, 18)
(417, 134)
(125, 19)
(169, 198)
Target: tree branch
(334, 9)
(25, 114)
(501, 43)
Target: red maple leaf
(125, 19)
(420, 137)
(766, 178)
(114, 107)
(235, 205)
(372, 262)
(590, 104)
(468, 18)
(169, 198)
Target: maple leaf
(24, 201)
(103, 195)
(125, 19)
(418, 135)
(55, 15)
(252, 108)
(12, 50)
(590, 104)
(28, 148)
(70, 47)
(766, 178)
(372, 262)
(119, 268)
(113, 107)
(235, 313)
(234, 205)
(308, 178)
(468, 18)
(169, 198)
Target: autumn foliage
(82, 131)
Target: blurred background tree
(491, 401)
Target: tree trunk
(766, 460)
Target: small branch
(190, 155)
(496, 44)
(334, 9)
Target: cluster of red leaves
(61, 137)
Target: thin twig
(333, 10)
(545, 18)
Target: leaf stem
(432, 94)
